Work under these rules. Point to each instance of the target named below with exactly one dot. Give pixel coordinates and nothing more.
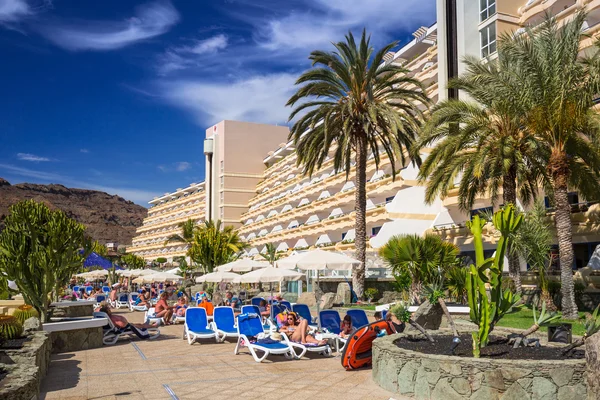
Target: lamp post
(208, 151)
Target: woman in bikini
(297, 330)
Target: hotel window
(487, 8)
(488, 40)
(222, 166)
(222, 182)
(375, 230)
(222, 197)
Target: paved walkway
(169, 368)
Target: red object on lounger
(357, 352)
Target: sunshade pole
(318, 303)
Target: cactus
(24, 312)
(486, 311)
(538, 321)
(10, 327)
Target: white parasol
(218, 277)
(243, 265)
(157, 277)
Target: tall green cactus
(486, 311)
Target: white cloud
(187, 56)
(13, 10)
(253, 79)
(31, 157)
(84, 151)
(259, 98)
(150, 20)
(183, 166)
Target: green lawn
(363, 306)
(523, 319)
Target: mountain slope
(108, 218)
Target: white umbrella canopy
(243, 265)
(318, 259)
(137, 272)
(269, 275)
(101, 273)
(157, 277)
(218, 277)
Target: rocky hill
(108, 218)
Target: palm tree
(424, 258)
(558, 88)
(353, 103)
(482, 141)
(271, 254)
(187, 233)
(214, 245)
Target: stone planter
(75, 335)
(72, 309)
(427, 376)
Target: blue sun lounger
(251, 335)
(303, 311)
(197, 326)
(359, 318)
(224, 323)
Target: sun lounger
(267, 324)
(251, 333)
(312, 348)
(197, 326)
(132, 306)
(224, 322)
(112, 333)
(151, 318)
(359, 318)
(330, 321)
(122, 301)
(106, 290)
(255, 301)
(286, 304)
(99, 300)
(303, 311)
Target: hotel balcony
(533, 11)
(172, 220)
(323, 203)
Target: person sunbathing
(164, 310)
(144, 299)
(181, 306)
(297, 331)
(346, 327)
(265, 308)
(120, 321)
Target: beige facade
(164, 216)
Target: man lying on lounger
(120, 321)
(297, 330)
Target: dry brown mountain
(108, 218)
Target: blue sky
(115, 95)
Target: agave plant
(400, 311)
(592, 326)
(538, 321)
(435, 294)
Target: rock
(485, 393)
(575, 392)
(390, 297)
(561, 376)
(525, 383)
(443, 390)
(422, 389)
(451, 368)
(516, 392)
(428, 316)
(461, 385)
(592, 357)
(107, 218)
(494, 379)
(343, 295)
(217, 299)
(542, 389)
(406, 377)
(32, 324)
(513, 374)
(327, 301)
(307, 298)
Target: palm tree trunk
(448, 317)
(509, 194)
(559, 169)
(360, 206)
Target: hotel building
(259, 189)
